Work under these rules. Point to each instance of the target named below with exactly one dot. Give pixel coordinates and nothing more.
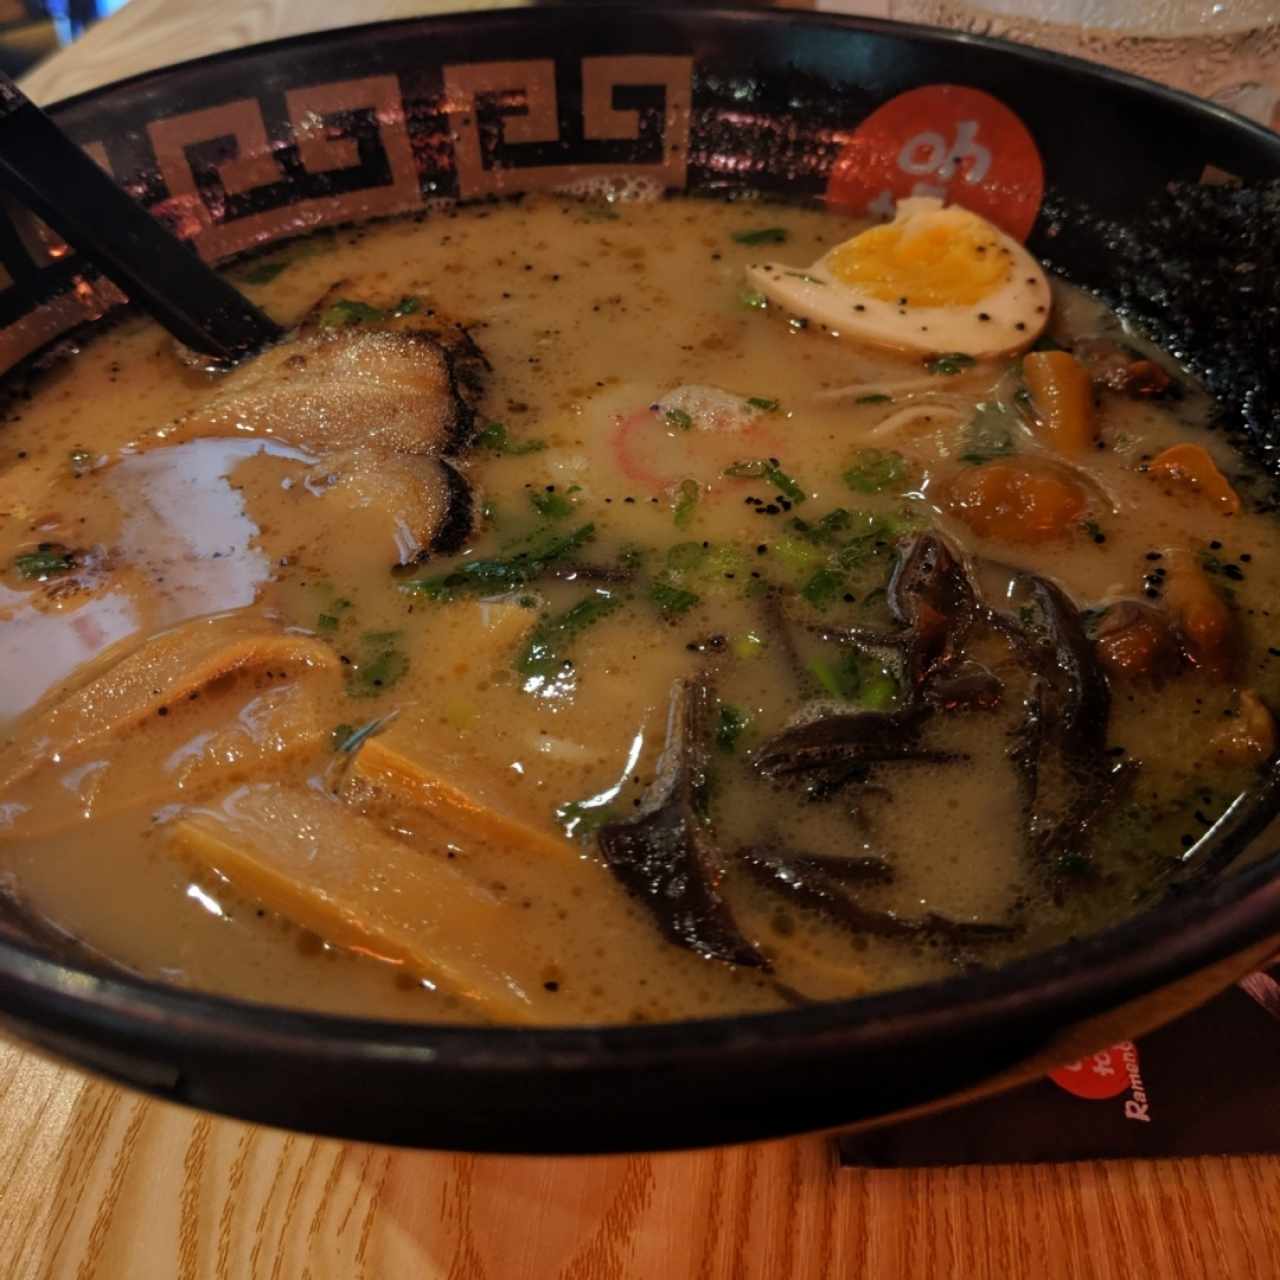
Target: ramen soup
(602, 612)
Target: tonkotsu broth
(544, 703)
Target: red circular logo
(1100, 1075)
(958, 144)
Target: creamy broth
(375, 776)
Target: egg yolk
(942, 259)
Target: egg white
(1005, 320)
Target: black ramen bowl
(1167, 206)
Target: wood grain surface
(100, 1184)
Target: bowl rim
(708, 12)
(1139, 954)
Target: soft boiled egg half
(933, 280)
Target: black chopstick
(41, 167)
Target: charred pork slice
(427, 499)
(379, 393)
(394, 387)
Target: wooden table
(100, 1184)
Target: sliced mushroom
(831, 752)
(816, 889)
(1059, 748)
(930, 594)
(665, 855)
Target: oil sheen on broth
(608, 611)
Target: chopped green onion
(685, 556)
(491, 577)
(348, 311)
(875, 470)
(874, 397)
(326, 622)
(678, 418)
(381, 665)
(825, 530)
(670, 599)
(763, 402)
(496, 437)
(765, 235)
(797, 554)
(407, 306)
(543, 654)
(753, 300)
(551, 506)
(879, 691)
(822, 588)
(687, 502)
(730, 724)
(48, 560)
(855, 679)
(768, 469)
(582, 818)
(829, 678)
(784, 484)
(950, 362)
